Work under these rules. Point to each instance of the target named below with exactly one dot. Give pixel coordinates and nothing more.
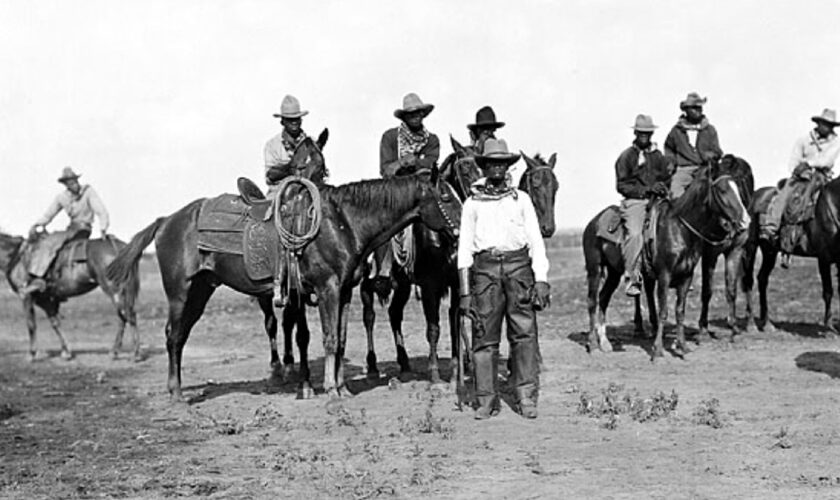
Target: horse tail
(124, 268)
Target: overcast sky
(157, 103)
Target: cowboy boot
(485, 370)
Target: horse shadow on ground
(125, 354)
(827, 362)
(358, 381)
(809, 330)
(624, 335)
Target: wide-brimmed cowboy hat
(644, 123)
(496, 151)
(486, 118)
(693, 100)
(828, 116)
(290, 108)
(68, 174)
(411, 103)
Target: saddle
(800, 208)
(610, 228)
(243, 224)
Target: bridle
(462, 184)
(711, 196)
(299, 169)
(443, 212)
(528, 176)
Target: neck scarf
(290, 143)
(642, 159)
(484, 191)
(408, 142)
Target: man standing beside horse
(813, 153)
(503, 271)
(82, 205)
(692, 142)
(642, 172)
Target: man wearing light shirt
(279, 149)
(503, 270)
(82, 205)
(816, 151)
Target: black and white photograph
(372, 249)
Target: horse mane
(741, 172)
(539, 158)
(385, 194)
(690, 199)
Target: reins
(710, 196)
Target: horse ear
(528, 161)
(552, 160)
(456, 146)
(322, 139)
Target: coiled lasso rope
(288, 238)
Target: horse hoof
(114, 356)
(31, 358)
(138, 357)
(768, 327)
(286, 371)
(344, 393)
(306, 392)
(373, 373)
(606, 346)
(434, 378)
(66, 355)
(752, 329)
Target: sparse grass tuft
(708, 413)
(614, 401)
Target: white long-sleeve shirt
(815, 151)
(81, 209)
(505, 224)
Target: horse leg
(650, 288)
(431, 309)
(747, 278)
(302, 336)
(593, 280)
(732, 268)
(31, 327)
(369, 319)
(183, 314)
(266, 303)
(611, 282)
(662, 292)
(707, 266)
(679, 346)
(328, 308)
(395, 314)
(768, 261)
(51, 308)
(119, 305)
(288, 346)
(340, 383)
(827, 292)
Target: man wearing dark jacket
(641, 172)
(692, 142)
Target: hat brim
(426, 109)
(645, 129)
(507, 159)
(63, 179)
(291, 115)
(685, 105)
(494, 125)
(817, 119)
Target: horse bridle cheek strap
(712, 197)
(529, 183)
(443, 211)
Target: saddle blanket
(609, 225)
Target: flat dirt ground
(757, 418)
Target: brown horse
(435, 269)
(435, 274)
(71, 278)
(710, 210)
(353, 224)
(821, 232)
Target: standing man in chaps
(405, 150)
(82, 205)
(484, 128)
(503, 270)
(279, 149)
(692, 142)
(641, 173)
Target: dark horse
(353, 224)
(69, 280)
(710, 210)
(821, 232)
(435, 269)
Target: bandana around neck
(290, 143)
(408, 142)
(484, 191)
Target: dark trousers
(501, 284)
(40, 255)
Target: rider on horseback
(691, 143)
(503, 271)
(484, 128)
(642, 172)
(280, 148)
(82, 204)
(816, 151)
(406, 150)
